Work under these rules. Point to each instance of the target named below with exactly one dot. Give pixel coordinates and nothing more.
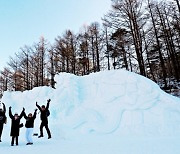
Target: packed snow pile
(115, 102)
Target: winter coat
(44, 117)
(30, 120)
(2, 117)
(15, 125)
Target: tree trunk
(158, 44)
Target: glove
(35, 110)
(36, 103)
(10, 108)
(23, 109)
(48, 100)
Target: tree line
(141, 36)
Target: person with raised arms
(15, 125)
(44, 118)
(3, 118)
(30, 126)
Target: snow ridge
(111, 102)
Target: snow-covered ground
(110, 112)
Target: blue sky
(23, 22)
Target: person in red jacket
(44, 118)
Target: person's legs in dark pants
(48, 131)
(16, 140)
(1, 129)
(41, 129)
(12, 141)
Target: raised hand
(48, 100)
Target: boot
(40, 136)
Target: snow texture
(107, 112)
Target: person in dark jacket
(2, 118)
(30, 126)
(15, 125)
(44, 118)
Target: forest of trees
(141, 36)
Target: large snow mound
(115, 102)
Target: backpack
(47, 113)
